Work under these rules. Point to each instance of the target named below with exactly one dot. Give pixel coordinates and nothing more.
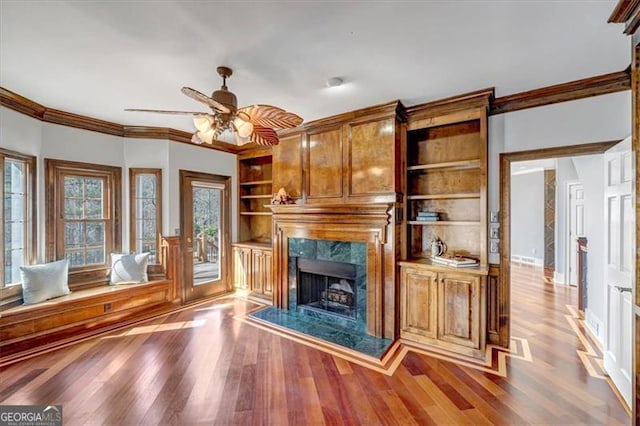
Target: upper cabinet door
(371, 158)
(324, 174)
(287, 166)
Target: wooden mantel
(365, 223)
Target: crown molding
(627, 12)
(471, 100)
(578, 89)
(40, 112)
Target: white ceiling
(99, 57)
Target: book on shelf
(427, 219)
(428, 216)
(455, 260)
(426, 213)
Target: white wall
(591, 173)
(595, 119)
(27, 135)
(190, 157)
(527, 204)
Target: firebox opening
(327, 286)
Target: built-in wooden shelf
(463, 164)
(249, 197)
(256, 182)
(444, 196)
(255, 213)
(444, 223)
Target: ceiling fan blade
(161, 111)
(264, 135)
(201, 97)
(270, 116)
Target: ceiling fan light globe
(244, 128)
(207, 136)
(203, 122)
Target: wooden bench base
(31, 328)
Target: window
(145, 186)
(17, 172)
(83, 213)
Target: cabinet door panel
(419, 302)
(371, 157)
(241, 267)
(459, 309)
(267, 274)
(325, 165)
(287, 166)
(257, 281)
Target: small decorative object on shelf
(428, 216)
(454, 260)
(438, 247)
(282, 198)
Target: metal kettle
(438, 247)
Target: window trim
(133, 172)
(14, 292)
(55, 170)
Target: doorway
(581, 155)
(205, 223)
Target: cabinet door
(267, 274)
(419, 302)
(372, 157)
(241, 267)
(324, 160)
(459, 319)
(287, 166)
(257, 271)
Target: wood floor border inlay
(494, 362)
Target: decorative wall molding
(579, 89)
(627, 12)
(40, 112)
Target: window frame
(14, 292)
(133, 207)
(55, 171)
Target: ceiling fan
(256, 123)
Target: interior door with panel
(576, 228)
(620, 255)
(205, 224)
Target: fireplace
(327, 286)
(345, 233)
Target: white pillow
(129, 268)
(43, 282)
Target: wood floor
(204, 365)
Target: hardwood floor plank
(203, 366)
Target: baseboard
(558, 277)
(595, 325)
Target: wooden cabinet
(253, 270)
(443, 308)
(349, 158)
(261, 283)
(241, 266)
(446, 198)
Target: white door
(619, 238)
(576, 228)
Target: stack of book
(455, 260)
(428, 216)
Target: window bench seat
(27, 329)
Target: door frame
(225, 257)
(567, 234)
(506, 158)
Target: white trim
(595, 325)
